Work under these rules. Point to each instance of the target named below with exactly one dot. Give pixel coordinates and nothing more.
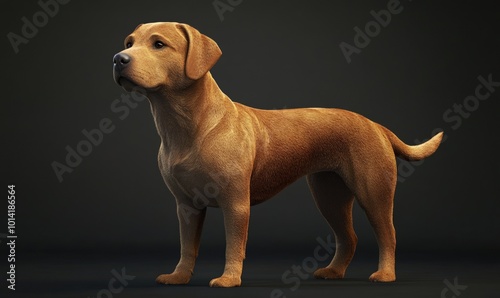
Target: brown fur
(248, 155)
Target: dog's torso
(269, 148)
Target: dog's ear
(202, 52)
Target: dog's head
(164, 55)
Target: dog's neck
(181, 116)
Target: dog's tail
(416, 152)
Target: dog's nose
(121, 60)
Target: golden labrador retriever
(218, 153)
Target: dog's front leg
(190, 225)
(236, 218)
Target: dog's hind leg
(375, 194)
(334, 199)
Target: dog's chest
(175, 165)
(185, 176)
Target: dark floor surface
(89, 275)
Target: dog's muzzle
(120, 62)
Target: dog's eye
(128, 45)
(159, 44)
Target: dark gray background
(276, 54)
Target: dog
(240, 156)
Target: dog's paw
(225, 282)
(383, 276)
(328, 273)
(175, 278)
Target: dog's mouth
(123, 81)
(117, 76)
(127, 84)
